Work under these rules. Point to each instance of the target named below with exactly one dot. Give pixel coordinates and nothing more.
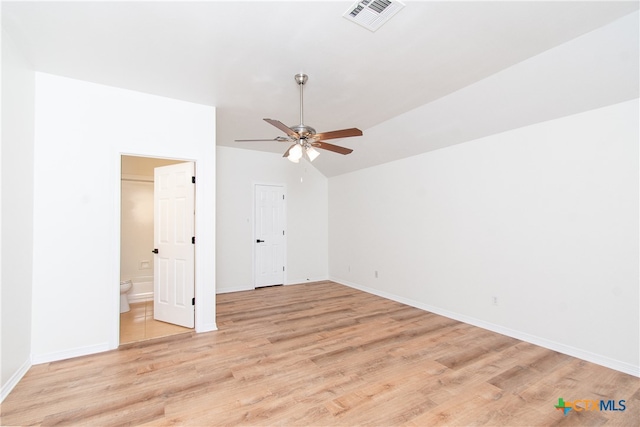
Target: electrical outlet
(376, 274)
(495, 300)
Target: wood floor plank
(321, 354)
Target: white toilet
(125, 286)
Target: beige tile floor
(138, 324)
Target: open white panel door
(173, 229)
(269, 234)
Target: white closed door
(174, 219)
(269, 235)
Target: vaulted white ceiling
(456, 63)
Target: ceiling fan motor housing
(304, 131)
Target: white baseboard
(598, 359)
(68, 354)
(306, 280)
(15, 379)
(227, 290)
(234, 289)
(208, 327)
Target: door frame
(118, 212)
(254, 184)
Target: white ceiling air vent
(371, 14)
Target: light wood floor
(317, 355)
(138, 324)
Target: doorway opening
(138, 251)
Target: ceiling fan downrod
(303, 130)
(301, 79)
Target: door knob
(259, 241)
(155, 251)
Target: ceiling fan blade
(277, 138)
(283, 128)
(331, 147)
(344, 133)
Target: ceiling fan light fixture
(312, 153)
(295, 153)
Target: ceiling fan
(304, 138)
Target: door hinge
(193, 240)
(193, 301)
(283, 268)
(283, 232)
(283, 197)
(193, 179)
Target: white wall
(17, 213)
(306, 214)
(81, 130)
(544, 217)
